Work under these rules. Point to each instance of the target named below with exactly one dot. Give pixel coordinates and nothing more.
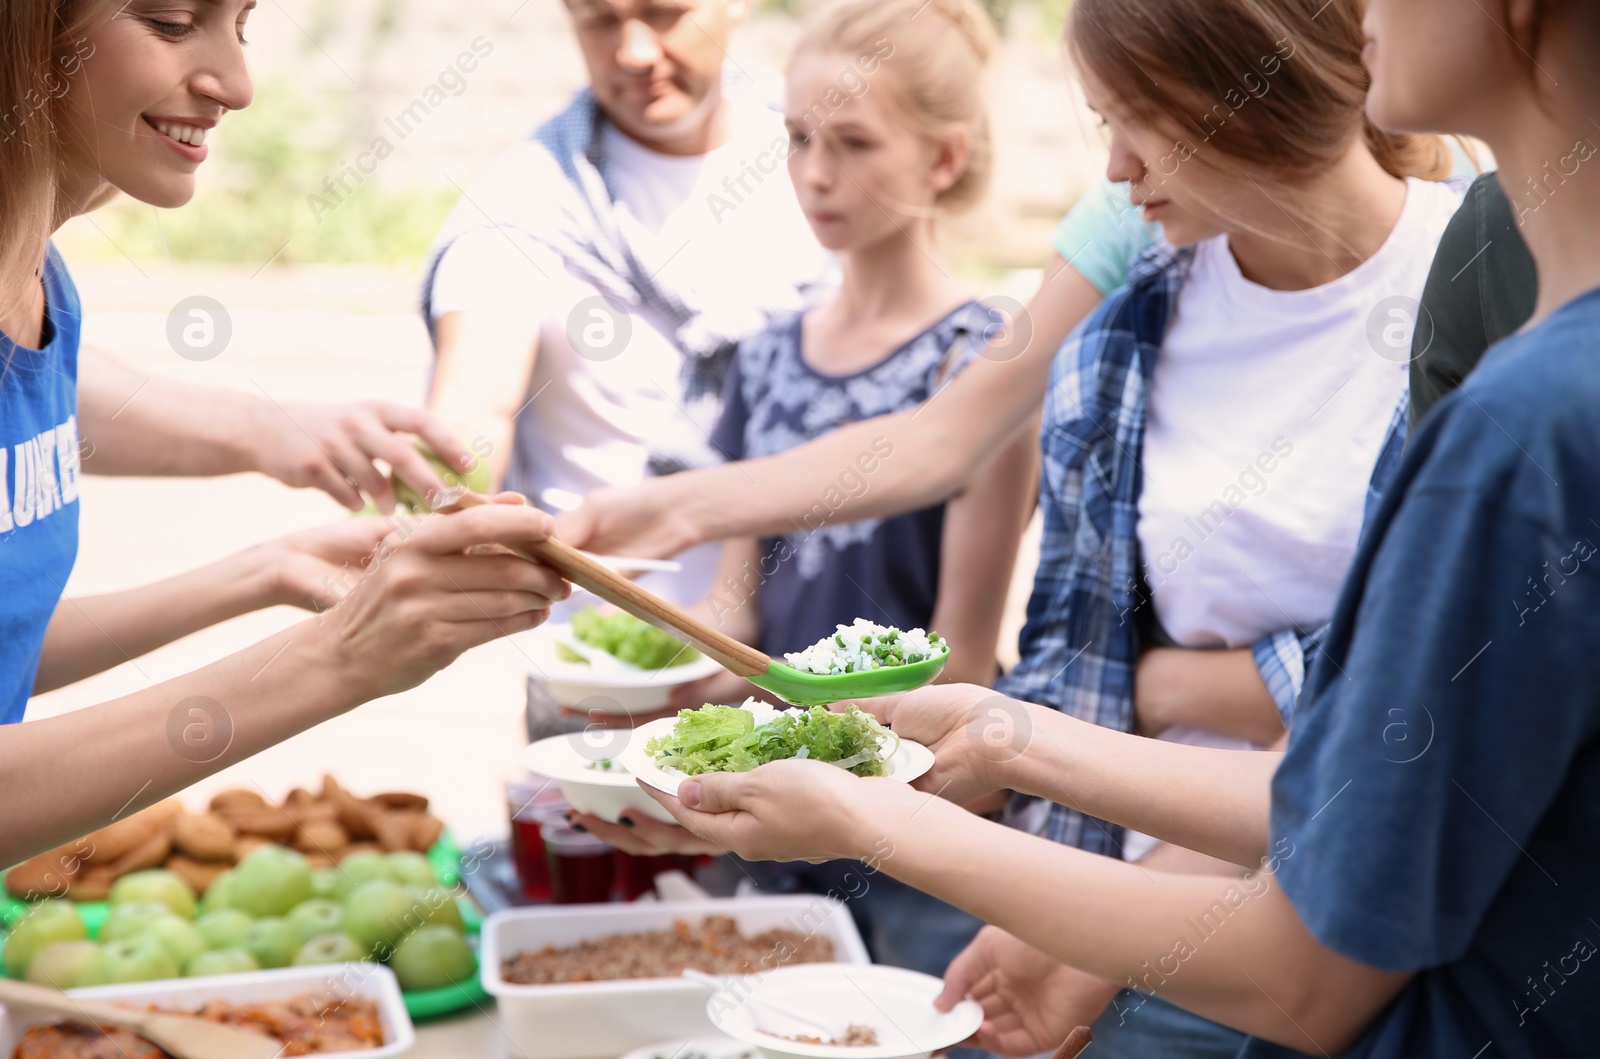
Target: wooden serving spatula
(181, 1036)
(788, 683)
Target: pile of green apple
(270, 910)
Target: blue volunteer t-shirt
(38, 484)
(829, 572)
(1441, 790)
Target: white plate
(618, 689)
(908, 761)
(895, 1002)
(566, 760)
(718, 1047)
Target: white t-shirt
(728, 218)
(1267, 410)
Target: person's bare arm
(935, 449)
(424, 601)
(133, 423)
(312, 569)
(485, 359)
(978, 553)
(1230, 948)
(1220, 691)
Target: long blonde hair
(41, 49)
(937, 50)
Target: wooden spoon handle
(27, 995)
(1079, 1039)
(738, 658)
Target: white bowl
(895, 1002)
(369, 981)
(566, 759)
(617, 689)
(907, 761)
(590, 1020)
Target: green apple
(272, 941)
(133, 960)
(270, 881)
(360, 868)
(220, 893)
(178, 936)
(476, 479)
(224, 928)
(325, 882)
(155, 885)
(316, 916)
(334, 947)
(433, 958)
(132, 919)
(46, 922)
(61, 963)
(411, 869)
(436, 907)
(221, 961)
(375, 913)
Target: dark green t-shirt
(1480, 289)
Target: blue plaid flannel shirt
(1080, 643)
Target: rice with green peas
(865, 645)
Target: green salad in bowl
(625, 638)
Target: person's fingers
(718, 792)
(613, 834)
(418, 421)
(499, 523)
(324, 474)
(716, 828)
(669, 838)
(358, 467)
(961, 974)
(575, 526)
(403, 459)
(479, 573)
(473, 633)
(495, 605)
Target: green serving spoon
(785, 681)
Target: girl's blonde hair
(938, 50)
(41, 48)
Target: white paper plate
(566, 759)
(619, 689)
(895, 1002)
(908, 761)
(718, 1047)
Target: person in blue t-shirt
(135, 119)
(1423, 851)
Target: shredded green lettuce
(626, 638)
(727, 739)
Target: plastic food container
(368, 981)
(588, 1020)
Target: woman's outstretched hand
(1030, 1001)
(432, 590)
(975, 733)
(788, 810)
(641, 521)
